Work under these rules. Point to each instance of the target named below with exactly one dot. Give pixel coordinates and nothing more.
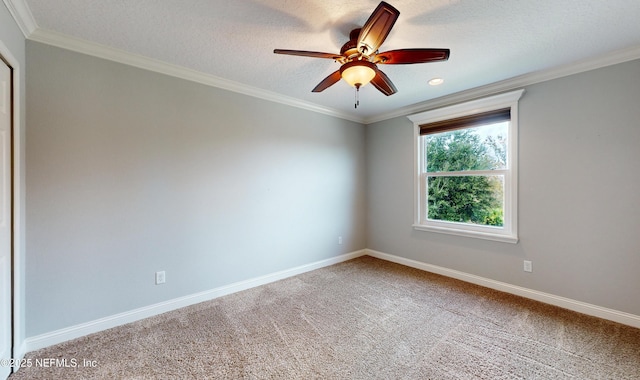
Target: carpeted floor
(362, 319)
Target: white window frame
(509, 231)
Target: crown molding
(22, 15)
(613, 58)
(101, 51)
(27, 24)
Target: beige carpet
(362, 319)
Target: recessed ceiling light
(436, 81)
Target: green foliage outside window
(476, 199)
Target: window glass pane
(477, 148)
(466, 199)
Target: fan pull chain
(357, 96)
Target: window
(466, 168)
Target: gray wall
(131, 172)
(579, 189)
(13, 39)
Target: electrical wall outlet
(339, 239)
(160, 278)
(527, 266)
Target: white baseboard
(73, 332)
(567, 303)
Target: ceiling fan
(359, 57)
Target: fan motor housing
(350, 49)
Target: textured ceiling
(490, 40)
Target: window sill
(504, 238)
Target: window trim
(509, 232)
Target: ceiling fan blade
(382, 82)
(313, 54)
(409, 56)
(377, 28)
(327, 82)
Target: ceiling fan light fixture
(360, 55)
(358, 73)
